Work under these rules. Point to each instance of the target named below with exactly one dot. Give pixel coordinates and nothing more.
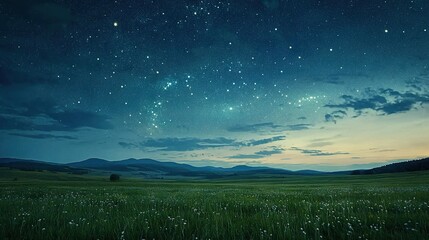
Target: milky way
(291, 84)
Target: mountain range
(149, 168)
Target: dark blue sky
(293, 84)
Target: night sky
(307, 84)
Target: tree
(114, 177)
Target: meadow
(36, 205)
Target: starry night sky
(324, 85)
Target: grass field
(61, 206)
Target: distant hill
(146, 168)
(90, 163)
(149, 168)
(409, 166)
(32, 165)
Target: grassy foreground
(328, 207)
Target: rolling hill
(32, 165)
(408, 166)
(146, 168)
(149, 168)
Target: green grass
(40, 205)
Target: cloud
(128, 145)
(270, 152)
(320, 144)
(268, 126)
(416, 84)
(382, 150)
(45, 115)
(186, 144)
(253, 127)
(332, 117)
(23, 123)
(402, 102)
(297, 127)
(259, 154)
(339, 78)
(191, 144)
(70, 120)
(385, 101)
(397, 107)
(246, 156)
(263, 141)
(43, 136)
(76, 118)
(359, 104)
(312, 152)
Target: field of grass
(37, 205)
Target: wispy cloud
(319, 144)
(43, 136)
(246, 156)
(128, 145)
(186, 144)
(334, 116)
(191, 144)
(254, 127)
(313, 152)
(298, 127)
(385, 101)
(270, 152)
(45, 115)
(268, 127)
(259, 154)
(382, 150)
(358, 104)
(263, 141)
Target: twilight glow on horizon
(290, 84)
